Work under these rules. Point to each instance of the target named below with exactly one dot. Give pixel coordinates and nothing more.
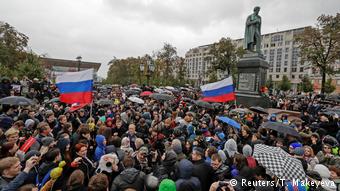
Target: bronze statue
(252, 35)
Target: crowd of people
(159, 145)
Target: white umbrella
(169, 88)
(136, 100)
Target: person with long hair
(76, 181)
(310, 157)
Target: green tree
(329, 87)
(224, 56)
(285, 84)
(168, 56)
(213, 76)
(306, 85)
(15, 60)
(12, 46)
(320, 45)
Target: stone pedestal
(252, 70)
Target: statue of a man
(252, 35)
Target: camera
(108, 164)
(223, 184)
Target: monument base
(251, 77)
(249, 100)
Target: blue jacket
(100, 149)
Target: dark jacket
(7, 185)
(204, 173)
(222, 173)
(129, 178)
(185, 168)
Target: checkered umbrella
(278, 162)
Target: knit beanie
(46, 141)
(299, 151)
(167, 185)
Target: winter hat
(46, 141)
(177, 146)
(299, 151)
(199, 150)
(322, 170)
(110, 149)
(105, 165)
(185, 168)
(170, 156)
(316, 135)
(295, 145)
(231, 147)
(247, 150)
(221, 136)
(167, 185)
(29, 123)
(31, 153)
(151, 182)
(62, 143)
(103, 119)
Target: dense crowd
(159, 145)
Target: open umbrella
(186, 99)
(258, 109)
(216, 105)
(162, 97)
(53, 100)
(229, 121)
(204, 104)
(132, 92)
(145, 93)
(278, 162)
(16, 100)
(104, 102)
(281, 128)
(136, 100)
(170, 88)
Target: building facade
(54, 67)
(279, 49)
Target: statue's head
(256, 9)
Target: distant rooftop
(49, 62)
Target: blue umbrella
(230, 122)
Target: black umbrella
(186, 99)
(132, 92)
(104, 102)
(204, 104)
(162, 97)
(216, 105)
(258, 109)
(281, 128)
(16, 100)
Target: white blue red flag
(75, 87)
(221, 91)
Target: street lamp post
(79, 62)
(148, 70)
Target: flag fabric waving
(75, 87)
(221, 91)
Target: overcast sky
(98, 30)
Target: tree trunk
(323, 81)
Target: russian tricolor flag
(221, 91)
(75, 87)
